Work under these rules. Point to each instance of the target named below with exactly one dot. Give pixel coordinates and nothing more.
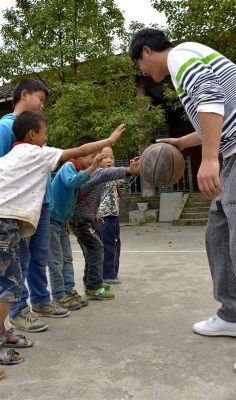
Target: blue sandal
(6, 357)
(20, 343)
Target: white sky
(134, 10)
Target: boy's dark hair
(155, 39)
(31, 85)
(26, 121)
(85, 139)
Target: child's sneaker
(79, 298)
(51, 310)
(69, 302)
(99, 294)
(106, 285)
(25, 321)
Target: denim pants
(110, 236)
(10, 269)
(34, 261)
(60, 261)
(221, 242)
(87, 234)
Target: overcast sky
(141, 11)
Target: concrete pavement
(139, 346)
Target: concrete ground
(139, 346)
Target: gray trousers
(221, 242)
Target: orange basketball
(162, 164)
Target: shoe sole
(38, 314)
(222, 333)
(43, 328)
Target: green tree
(57, 35)
(212, 22)
(70, 45)
(97, 107)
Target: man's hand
(133, 167)
(174, 141)
(117, 133)
(208, 178)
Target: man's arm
(190, 140)
(208, 173)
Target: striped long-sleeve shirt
(88, 201)
(205, 81)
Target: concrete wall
(128, 204)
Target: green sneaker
(99, 294)
(106, 285)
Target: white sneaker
(215, 326)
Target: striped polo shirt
(205, 81)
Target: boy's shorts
(10, 269)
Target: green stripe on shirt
(205, 60)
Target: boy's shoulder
(7, 120)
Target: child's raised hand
(133, 167)
(117, 133)
(97, 160)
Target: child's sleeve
(72, 178)
(7, 138)
(107, 174)
(194, 75)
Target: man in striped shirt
(205, 82)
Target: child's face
(33, 101)
(85, 162)
(109, 159)
(39, 138)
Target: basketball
(162, 164)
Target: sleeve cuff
(216, 108)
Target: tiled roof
(5, 93)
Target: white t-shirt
(23, 177)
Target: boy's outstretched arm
(133, 167)
(94, 147)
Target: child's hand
(95, 164)
(67, 226)
(117, 133)
(99, 220)
(134, 166)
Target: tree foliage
(212, 22)
(58, 34)
(97, 107)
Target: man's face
(150, 64)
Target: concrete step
(193, 215)
(186, 221)
(196, 209)
(196, 203)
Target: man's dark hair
(31, 85)
(85, 139)
(26, 121)
(155, 39)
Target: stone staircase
(194, 210)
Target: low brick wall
(129, 203)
